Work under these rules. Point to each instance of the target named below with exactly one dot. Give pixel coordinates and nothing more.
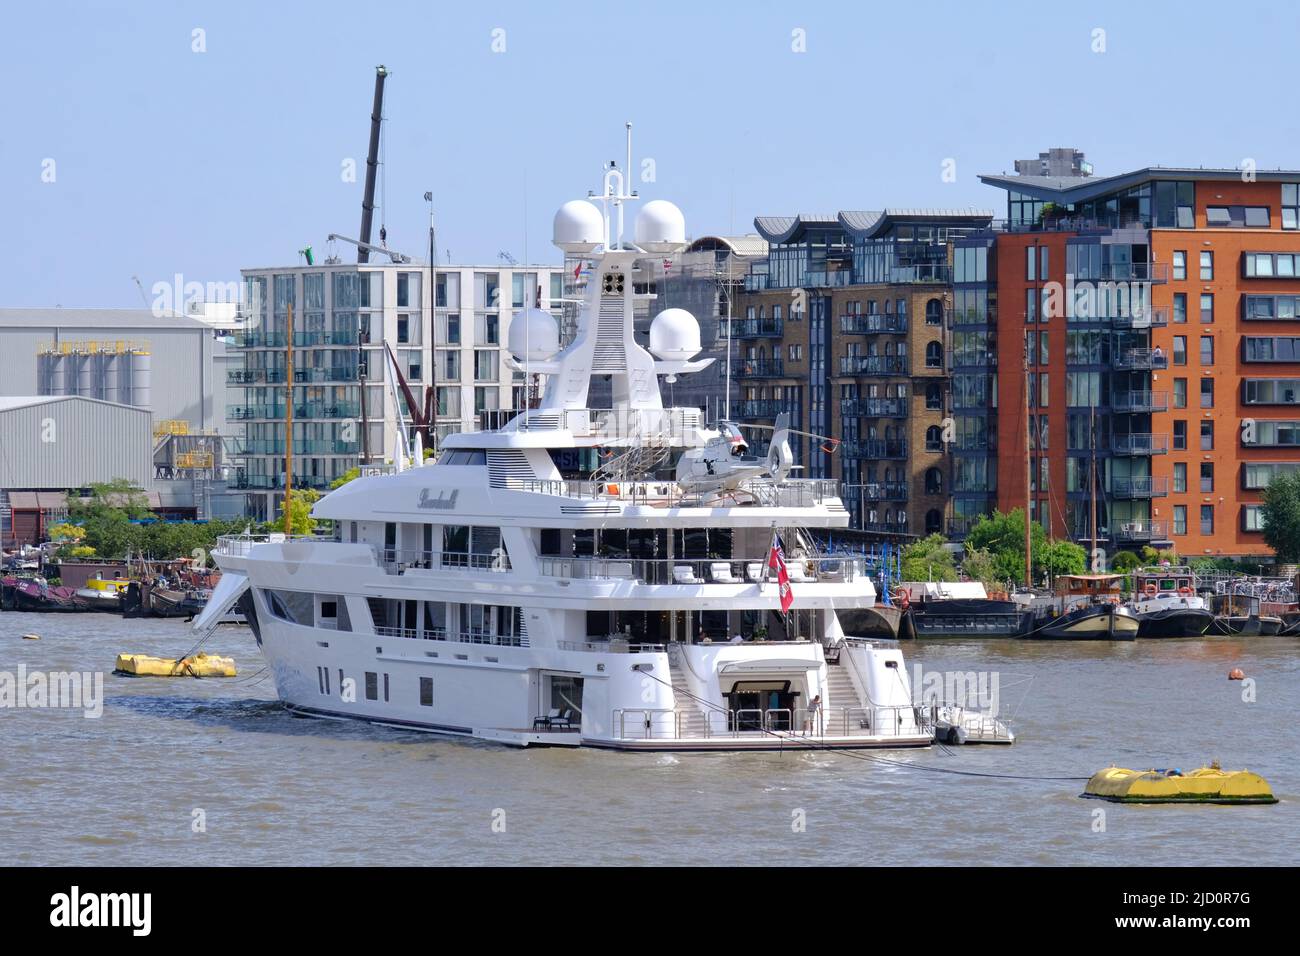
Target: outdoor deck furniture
(754, 571)
(720, 572)
(684, 574)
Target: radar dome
(660, 227)
(534, 335)
(675, 335)
(579, 227)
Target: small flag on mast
(776, 562)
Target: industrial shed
(56, 444)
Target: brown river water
(184, 772)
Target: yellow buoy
(200, 665)
(1210, 784)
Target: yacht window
(463, 457)
(372, 685)
(426, 691)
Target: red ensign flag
(776, 561)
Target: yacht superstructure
(668, 596)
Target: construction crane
(372, 164)
(368, 248)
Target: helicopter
(723, 464)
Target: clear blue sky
(172, 161)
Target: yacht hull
(1175, 622)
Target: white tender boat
(493, 594)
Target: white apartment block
(447, 331)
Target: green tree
(1124, 561)
(929, 560)
(1061, 557)
(350, 475)
(1280, 516)
(1003, 536)
(298, 504)
(980, 565)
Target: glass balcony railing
(861, 324)
(762, 368)
(875, 491)
(761, 407)
(1140, 402)
(757, 328)
(1129, 488)
(1140, 444)
(1139, 531)
(874, 365)
(874, 449)
(874, 407)
(1139, 359)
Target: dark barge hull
(964, 617)
(1175, 622)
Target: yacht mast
(1028, 480)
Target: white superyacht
(637, 606)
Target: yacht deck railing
(793, 724)
(796, 493)
(819, 568)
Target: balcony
(757, 328)
(874, 407)
(875, 449)
(1145, 319)
(1141, 532)
(311, 446)
(1130, 272)
(921, 272)
(756, 282)
(1133, 488)
(1139, 444)
(276, 482)
(1140, 359)
(1140, 402)
(762, 368)
(761, 408)
(828, 279)
(874, 365)
(884, 527)
(960, 525)
(875, 491)
(301, 411)
(856, 323)
(259, 339)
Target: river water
(128, 787)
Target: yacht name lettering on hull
(443, 500)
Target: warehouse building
(52, 444)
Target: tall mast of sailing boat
(1028, 479)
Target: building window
(1180, 308)
(796, 352)
(1207, 350)
(1180, 519)
(1207, 519)
(486, 398)
(1180, 477)
(1236, 217)
(1207, 393)
(1207, 265)
(1207, 477)
(1251, 518)
(933, 312)
(485, 365)
(1180, 350)
(1180, 264)
(933, 396)
(1031, 263)
(1290, 206)
(1265, 265)
(1180, 435)
(1207, 436)
(933, 481)
(934, 438)
(933, 521)
(1207, 308)
(1180, 393)
(934, 355)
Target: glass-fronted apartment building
(845, 327)
(447, 332)
(1152, 317)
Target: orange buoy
(1236, 674)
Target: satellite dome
(534, 335)
(674, 335)
(579, 227)
(660, 227)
